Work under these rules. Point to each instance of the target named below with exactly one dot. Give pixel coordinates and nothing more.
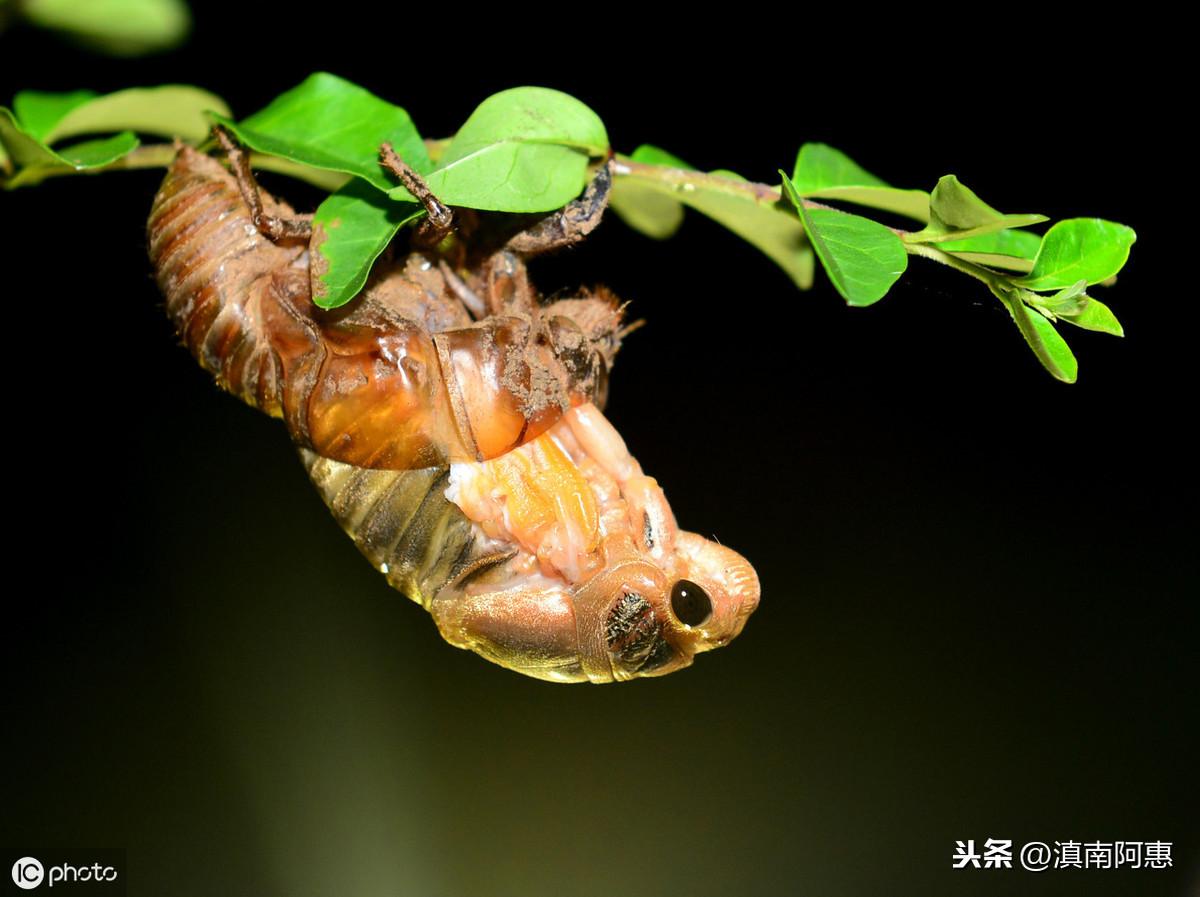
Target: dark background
(979, 592)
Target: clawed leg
(571, 223)
(440, 219)
(272, 226)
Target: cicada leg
(569, 224)
(273, 226)
(439, 220)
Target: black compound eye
(690, 603)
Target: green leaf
(1089, 249)
(173, 110)
(25, 150)
(650, 196)
(647, 209)
(38, 111)
(99, 152)
(819, 165)
(318, 177)
(956, 213)
(751, 211)
(1068, 301)
(327, 122)
(1095, 315)
(1075, 306)
(119, 27)
(522, 150)
(1049, 347)
(648, 154)
(35, 159)
(350, 229)
(1013, 250)
(862, 257)
(956, 208)
(822, 172)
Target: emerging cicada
(450, 420)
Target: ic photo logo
(27, 873)
(91, 871)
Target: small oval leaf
(1046, 342)
(39, 111)
(1013, 244)
(350, 229)
(328, 122)
(862, 257)
(99, 152)
(956, 206)
(648, 154)
(955, 213)
(1097, 316)
(522, 150)
(647, 210)
(751, 211)
(172, 110)
(1089, 249)
(1068, 301)
(822, 172)
(36, 160)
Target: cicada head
(600, 584)
(656, 614)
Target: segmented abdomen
(402, 522)
(399, 379)
(215, 268)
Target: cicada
(450, 418)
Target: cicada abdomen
(402, 377)
(403, 524)
(215, 270)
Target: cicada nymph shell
(468, 459)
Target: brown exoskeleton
(449, 418)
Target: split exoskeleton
(450, 420)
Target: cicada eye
(691, 604)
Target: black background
(978, 614)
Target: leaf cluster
(1040, 279)
(533, 150)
